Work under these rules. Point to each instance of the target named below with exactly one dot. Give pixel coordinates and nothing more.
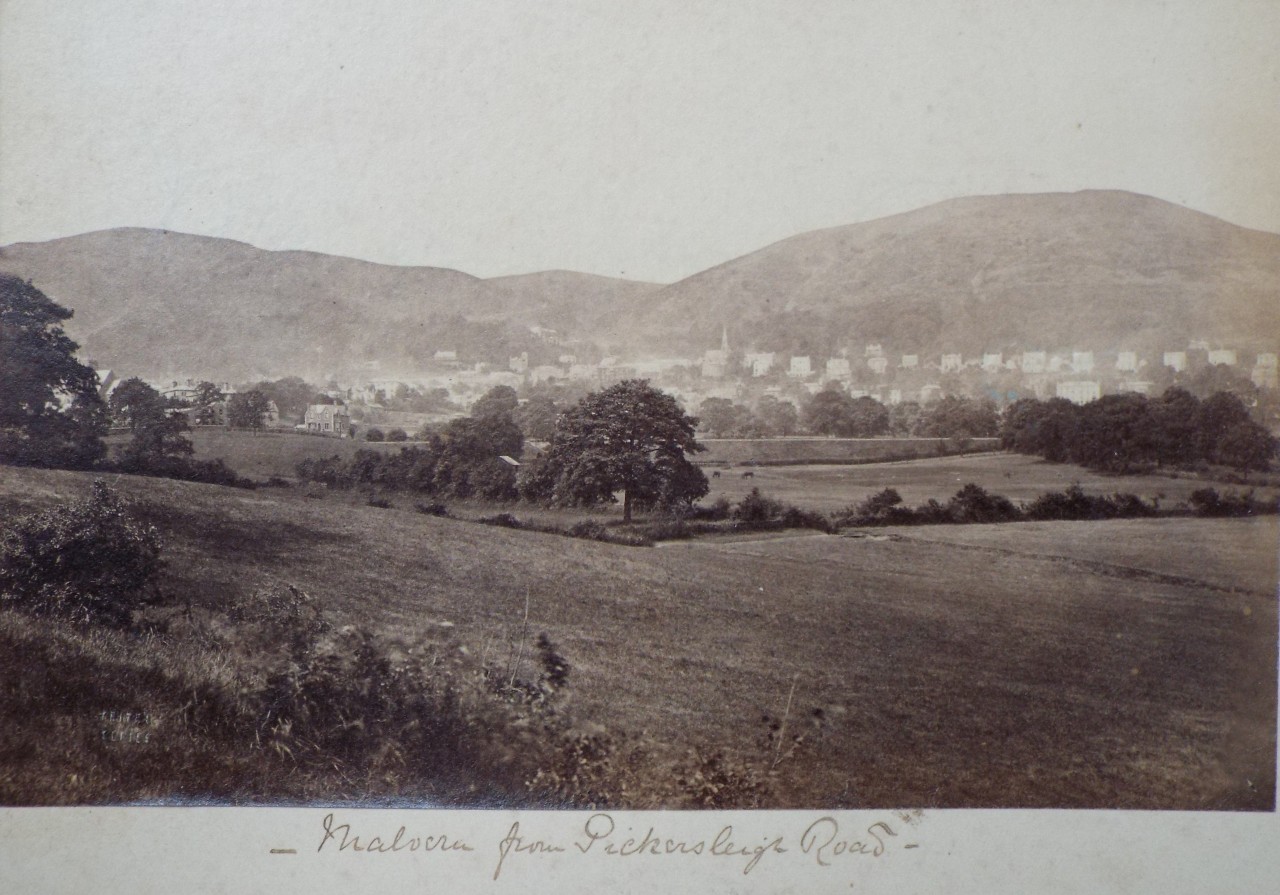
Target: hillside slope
(1103, 270)
(1098, 270)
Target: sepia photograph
(699, 407)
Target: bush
(89, 561)
(374, 435)
(432, 509)
(397, 435)
(1208, 502)
(973, 503)
(502, 520)
(755, 507)
(380, 502)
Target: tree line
(1130, 432)
(835, 412)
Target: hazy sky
(642, 139)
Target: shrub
(755, 507)
(380, 502)
(87, 561)
(502, 520)
(973, 503)
(397, 435)
(794, 517)
(432, 509)
(374, 435)
(1208, 502)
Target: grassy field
(1020, 478)
(748, 451)
(1111, 664)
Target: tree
(206, 398)
(247, 410)
(1247, 446)
(50, 411)
(537, 417)
(722, 418)
(629, 437)
(777, 417)
(500, 400)
(955, 417)
(158, 435)
(830, 412)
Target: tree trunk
(626, 505)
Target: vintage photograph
(836, 405)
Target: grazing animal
(748, 475)
(715, 474)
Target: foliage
(1208, 502)
(1119, 433)
(50, 411)
(247, 410)
(956, 417)
(630, 438)
(833, 412)
(374, 434)
(88, 561)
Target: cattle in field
(715, 474)
(748, 475)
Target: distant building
(952, 363)
(1266, 373)
(1080, 391)
(930, 393)
(874, 350)
(1127, 362)
(1176, 360)
(759, 363)
(583, 372)
(878, 364)
(567, 360)
(1082, 361)
(1224, 357)
(1137, 386)
(910, 361)
(1034, 361)
(800, 366)
(992, 361)
(895, 396)
(545, 373)
(519, 363)
(838, 368)
(327, 419)
(446, 357)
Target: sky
(646, 139)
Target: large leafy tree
(50, 412)
(629, 437)
(247, 410)
(158, 435)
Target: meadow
(1127, 663)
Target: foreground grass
(972, 667)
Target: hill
(156, 302)
(1099, 270)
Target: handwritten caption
(824, 841)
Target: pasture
(1017, 477)
(1111, 664)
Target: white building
(1082, 361)
(992, 361)
(1080, 391)
(760, 363)
(1034, 361)
(800, 366)
(910, 361)
(878, 364)
(1266, 373)
(1225, 357)
(838, 368)
(519, 363)
(952, 362)
(874, 350)
(1176, 360)
(1127, 362)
